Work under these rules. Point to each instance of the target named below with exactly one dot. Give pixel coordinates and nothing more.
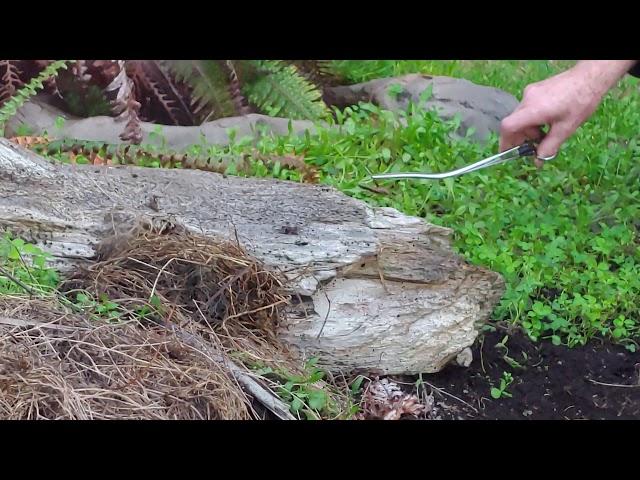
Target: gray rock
(480, 107)
(41, 117)
(464, 358)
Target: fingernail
(546, 158)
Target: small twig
(27, 288)
(235, 233)
(379, 190)
(613, 384)
(26, 267)
(153, 267)
(384, 285)
(19, 322)
(267, 398)
(481, 358)
(444, 392)
(255, 310)
(155, 283)
(326, 317)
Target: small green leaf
(394, 90)
(426, 94)
(310, 414)
(315, 376)
(288, 386)
(155, 301)
(619, 332)
(357, 384)
(496, 393)
(264, 371)
(82, 298)
(296, 404)
(317, 399)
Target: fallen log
(376, 291)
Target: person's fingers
(509, 135)
(552, 142)
(534, 134)
(521, 125)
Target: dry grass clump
(185, 306)
(66, 366)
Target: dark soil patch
(555, 382)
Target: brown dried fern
(176, 92)
(125, 105)
(165, 97)
(11, 79)
(239, 100)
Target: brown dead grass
(60, 363)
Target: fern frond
(125, 104)
(80, 71)
(235, 89)
(318, 72)
(34, 67)
(29, 90)
(80, 88)
(280, 90)
(102, 72)
(11, 79)
(209, 83)
(165, 100)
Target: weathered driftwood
(381, 292)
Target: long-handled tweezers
(525, 150)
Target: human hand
(563, 103)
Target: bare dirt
(599, 381)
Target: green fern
(187, 92)
(11, 107)
(280, 90)
(319, 72)
(274, 87)
(209, 83)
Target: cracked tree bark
(381, 292)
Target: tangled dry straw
(193, 277)
(188, 305)
(67, 367)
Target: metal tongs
(525, 150)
